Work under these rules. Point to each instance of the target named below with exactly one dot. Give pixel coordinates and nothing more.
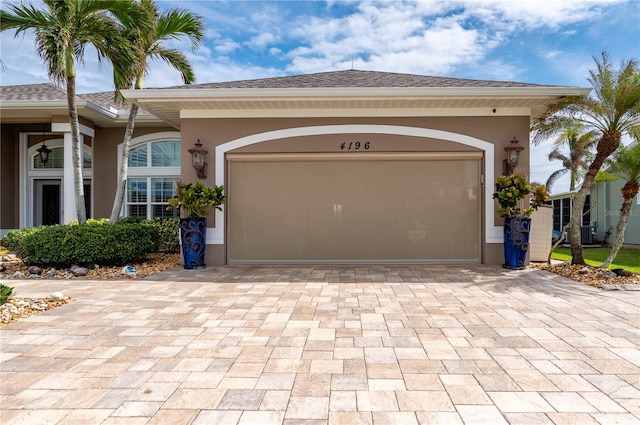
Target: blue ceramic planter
(516, 241)
(194, 242)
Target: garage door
(353, 209)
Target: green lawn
(627, 258)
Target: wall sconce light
(513, 155)
(44, 152)
(198, 153)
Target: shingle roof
(49, 92)
(104, 99)
(348, 78)
(356, 78)
(44, 91)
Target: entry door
(47, 202)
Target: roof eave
(350, 92)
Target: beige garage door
(353, 209)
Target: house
(562, 204)
(607, 213)
(602, 211)
(335, 167)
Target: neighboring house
(607, 213)
(336, 167)
(599, 224)
(562, 204)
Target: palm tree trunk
(75, 151)
(629, 192)
(572, 182)
(606, 146)
(124, 166)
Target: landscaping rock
(18, 275)
(56, 296)
(3, 267)
(80, 271)
(622, 272)
(606, 275)
(52, 273)
(584, 270)
(35, 270)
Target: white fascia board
(357, 92)
(62, 104)
(333, 112)
(33, 104)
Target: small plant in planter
(511, 193)
(194, 202)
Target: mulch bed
(590, 275)
(16, 307)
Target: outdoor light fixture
(513, 154)
(44, 152)
(198, 153)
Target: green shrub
(12, 239)
(88, 244)
(5, 293)
(169, 232)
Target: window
(152, 179)
(56, 159)
(163, 154)
(148, 197)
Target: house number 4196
(354, 146)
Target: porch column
(69, 206)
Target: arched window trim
(55, 144)
(148, 173)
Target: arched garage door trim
(493, 233)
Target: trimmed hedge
(12, 239)
(168, 231)
(91, 243)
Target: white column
(69, 209)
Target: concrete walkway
(325, 345)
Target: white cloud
(260, 41)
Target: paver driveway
(366, 345)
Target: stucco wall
(496, 130)
(9, 202)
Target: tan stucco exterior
(214, 132)
(312, 115)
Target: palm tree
(614, 110)
(62, 32)
(173, 24)
(624, 165)
(580, 144)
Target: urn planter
(194, 241)
(195, 201)
(516, 242)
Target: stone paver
(325, 345)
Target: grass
(627, 258)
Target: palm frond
(554, 177)
(178, 23)
(178, 61)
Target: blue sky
(545, 42)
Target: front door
(47, 201)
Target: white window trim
(144, 172)
(28, 174)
